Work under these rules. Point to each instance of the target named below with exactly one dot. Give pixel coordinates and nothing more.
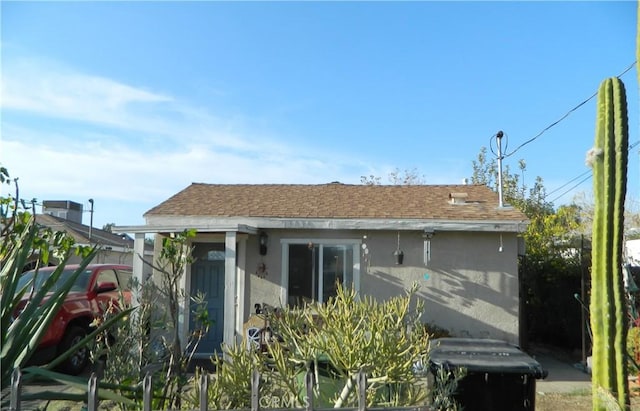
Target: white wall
(632, 249)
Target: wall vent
(458, 198)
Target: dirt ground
(545, 402)
(575, 401)
(572, 402)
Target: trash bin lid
(482, 355)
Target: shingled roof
(336, 200)
(80, 232)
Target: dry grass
(577, 401)
(563, 402)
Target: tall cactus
(608, 304)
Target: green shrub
(335, 341)
(22, 242)
(149, 342)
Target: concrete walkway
(563, 377)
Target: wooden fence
(92, 395)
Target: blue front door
(207, 277)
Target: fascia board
(250, 225)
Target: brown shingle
(335, 201)
(80, 232)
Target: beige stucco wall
(469, 287)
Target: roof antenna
(499, 140)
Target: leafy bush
(149, 341)
(23, 242)
(445, 385)
(335, 341)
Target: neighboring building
(632, 252)
(67, 216)
(67, 210)
(286, 244)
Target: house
(67, 216)
(285, 244)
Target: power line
(553, 125)
(567, 183)
(572, 187)
(581, 181)
(532, 139)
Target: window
(107, 276)
(81, 283)
(125, 279)
(315, 269)
(209, 251)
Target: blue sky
(130, 102)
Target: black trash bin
(499, 375)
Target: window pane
(301, 274)
(332, 267)
(107, 276)
(347, 278)
(316, 269)
(124, 279)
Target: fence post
(362, 390)
(146, 392)
(16, 388)
(255, 390)
(92, 395)
(308, 383)
(204, 390)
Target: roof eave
(250, 225)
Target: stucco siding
(469, 286)
(263, 287)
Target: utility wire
(572, 187)
(565, 116)
(551, 126)
(581, 181)
(568, 182)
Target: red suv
(93, 290)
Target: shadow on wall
(449, 288)
(474, 305)
(463, 325)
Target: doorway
(207, 277)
